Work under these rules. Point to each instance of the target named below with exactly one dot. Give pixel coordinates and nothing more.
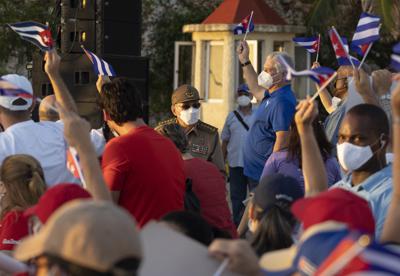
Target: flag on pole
(100, 66)
(358, 253)
(320, 74)
(341, 48)
(395, 64)
(366, 33)
(73, 164)
(311, 44)
(10, 90)
(36, 33)
(246, 25)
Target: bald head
(46, 113)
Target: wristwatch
(246, 63)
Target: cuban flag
(320, 74)
(8, 89)
(36, 33)
(246, 24)
(366, 33)
(395, 64)
(359, 254)
(100, 66)
(311, 44)
(341, 48)
(73, 164)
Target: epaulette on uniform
(166, 122)
(207, 127)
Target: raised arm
(315, 177)
(364, 87)
(391, 228)
(324, 95)
(52, 68)
(76, 131)
(249, 74)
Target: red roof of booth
(233, 11)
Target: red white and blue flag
(358, 254)
(245, 26)
(395, 64)
(366, 33)
(36, 33)
(100, 66)
(320, 74)
(8, 89)
(311, 44)
(341, 48)
(73, 164)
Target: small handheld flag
(366, 33)
(245, 26)
(100, 66)
(341, 49)
(36, 33)
(73, 164)
(395, 64)
(10, 90)
(311, 44)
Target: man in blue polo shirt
(274, 115)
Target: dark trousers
(238, 191)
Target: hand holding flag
(36, 33)
(100, 66)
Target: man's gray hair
(280, 68)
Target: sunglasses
(186, 106)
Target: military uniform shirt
(203, 142)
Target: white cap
(10, 102)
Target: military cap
(185, 93)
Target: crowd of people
(283, 190)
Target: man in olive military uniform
(203, 138)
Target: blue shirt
(377, 190)
(235, 133)
(275, 113)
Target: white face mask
(243, 100)
(190, 116)
(265, 80)
(352, 157)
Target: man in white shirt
(44, 141)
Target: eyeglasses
(186, 106)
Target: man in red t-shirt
(143, 169)
(208, 182)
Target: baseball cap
(313, 249)
(277, 188)
(88, 233)
(54, 198)
(17, 103)
(185, 93)
(243, 88)
(338, 205)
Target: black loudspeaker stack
(109, 28)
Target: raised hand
(315, 65)
(243, 52)
(307, 112)
(381, 81)
(52, 65)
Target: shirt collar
(371, 182)
(280, 90)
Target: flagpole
(248, 26)
(319, 45)
(365, 56)
(323, 86)
(341, 43)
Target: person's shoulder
(169, 121)
(206, 127)
(13, 217)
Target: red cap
(338, 205)
(54, 198)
